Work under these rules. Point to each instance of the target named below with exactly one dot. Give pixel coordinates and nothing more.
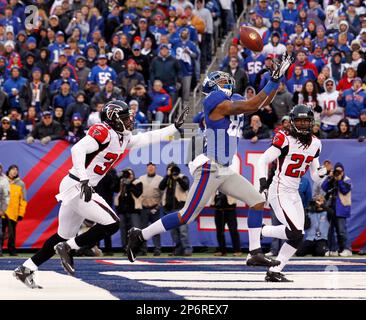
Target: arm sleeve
(23, 201)
(86, 145)
(6, 194)
(146, 138)
(266, 158)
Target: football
(251, 39)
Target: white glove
(322, 171)
(45, 140)
(280, 66)
(30, 140)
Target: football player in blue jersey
(211, 169)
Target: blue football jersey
(100, 76)
(253, 64)
(221, 135)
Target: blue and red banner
(43, 167)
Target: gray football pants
(211, 177)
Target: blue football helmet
(218, 80)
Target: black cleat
(26, 276)
(260, 260)
(67, 261)
(276, 277)
(134, 243)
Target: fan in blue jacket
(297, 80)
(13, 85)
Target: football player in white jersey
(296, 151)
(92, 157)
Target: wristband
(270, 86)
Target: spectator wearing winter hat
(13, 85)
(275, 27)
(34, 93)
(102, 72)
(64, 98)
(320, 38)
(79, 106)
(46, 130)
(6, 130)
(332, 113)
(353, 100)
(159, 28)
(264, 11)
(331, 46)
(57, 47)
(337, 68)
(274, 47)
(31, 46)
(82, 71)
(142, 62)
(44, 62)
(143, 32)
(28, 66)
(129, 78)
(172, 79)
(331, 21)
(147, 50)
(75, 131)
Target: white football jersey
(329, 101)
(294, 160)
(111, 149)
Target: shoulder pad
(99, 132)
(279, 140)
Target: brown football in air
(251, 39)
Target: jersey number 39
(111, 159)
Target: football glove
(280, 66)
(181, 117)
(86, 190)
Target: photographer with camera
(317, 220)
(338, 194)
(175, 186)
(128, 203)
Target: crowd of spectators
(328, 41)
(75, 55)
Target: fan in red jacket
(309, 69)
(346, 82)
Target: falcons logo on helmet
(111, 110)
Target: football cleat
(67, 261)
(134, 243)
(276, 277)
(26, 276)
(260, 260)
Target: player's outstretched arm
(146, 138)
(264, 97)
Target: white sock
(71, 242)
(254, 238)
(286, 252)
(274, 232)
(153, 229)
(30, 265)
